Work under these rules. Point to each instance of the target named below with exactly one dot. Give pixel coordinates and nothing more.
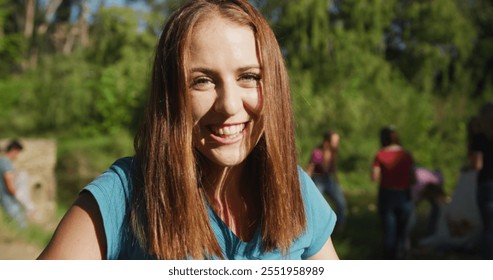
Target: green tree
(480, 14)
(344, 59)
(12, 43)
(434, 41)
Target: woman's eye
(250, 79)
(202, 83)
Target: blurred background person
(8, 199)
(322, 168)
(428, 187)
(482, 160)
(393, 169)
(459, 226)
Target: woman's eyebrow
(249, 67)
(208, 70)
(202, 70)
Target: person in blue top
(215, 173)
(8, 191)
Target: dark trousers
(485, 204)
(394, 208)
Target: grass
(360, 239)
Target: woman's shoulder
(112, 191)
(123, 166)
(308, 189)
(303, 176)
(115, 183)
(394, 149)
(319, 216)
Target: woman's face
(225, 91)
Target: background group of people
(466, 222)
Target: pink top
(318, 158)
(425, 177)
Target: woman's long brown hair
(168, 214)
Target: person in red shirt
(393, 168)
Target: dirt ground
(11, 248)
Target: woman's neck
(393, 147)
(234, 198)
(220, 180)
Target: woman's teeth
(229, 131)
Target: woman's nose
(228, 101)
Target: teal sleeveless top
(113, 193)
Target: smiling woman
(214, 173)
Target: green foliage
(438, 41)
(114, 29)
(12, 48)
(303, 27)
(89, 92)
(86, 158)
(12, 44)
(121, 89)
(61, 98)
(370, 19)
(378, 63)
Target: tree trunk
(84, 25)
(77, 32)
(50, 10)
(29, 19)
